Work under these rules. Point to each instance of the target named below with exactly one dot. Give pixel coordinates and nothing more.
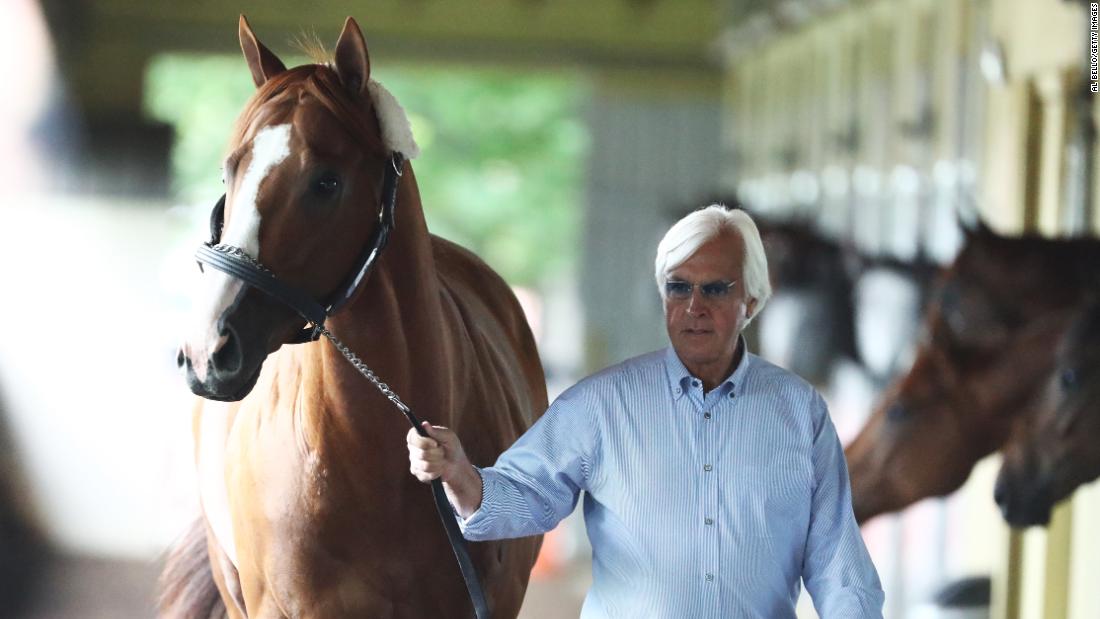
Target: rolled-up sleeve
(536, 482)
(837, 569)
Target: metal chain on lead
(364, 370)
(344, 350)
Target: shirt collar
(679, 378)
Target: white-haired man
(714, 481)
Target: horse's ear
(352, 62)
(974, 227)
(969, 218)
(263, 64)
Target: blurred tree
(501, 168)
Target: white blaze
(270, 146)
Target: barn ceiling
(104, 43)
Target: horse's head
(304, 183)
(800, 256)
(1052, 449)
(987, 344)
(810, 323)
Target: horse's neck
(397, 326)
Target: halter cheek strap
(379, 238)
(217, 222)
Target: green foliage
(502, 153)
(201, 96)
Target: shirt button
(694, 383)
(731, 395)
(707, 467)
(710, 577)
(706, 415)
(708, 521)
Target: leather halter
(235, 262)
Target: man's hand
(440, 455)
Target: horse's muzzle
(1023, 504)
(229, 376)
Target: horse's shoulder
(481, 301)
(472, 285)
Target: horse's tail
(187, 589)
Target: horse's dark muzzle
(229, 377)
(1023, 505)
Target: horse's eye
(1069, 378)
(326, 186)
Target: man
(714, 481)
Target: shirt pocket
(775, 500)
(775, 516)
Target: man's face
(704, 330)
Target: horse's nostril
(228, 359)
(180, 358)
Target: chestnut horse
(990, 333)
(1053, 448)
(308, 509)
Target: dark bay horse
(1055, 446)
(308, 507)
(990, 332)
(809, 324)
(823, 290)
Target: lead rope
(442, 505)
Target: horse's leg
(226, 578)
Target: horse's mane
(320, 81)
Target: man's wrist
(465, 491)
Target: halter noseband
(235, 262)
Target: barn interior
(875, 141)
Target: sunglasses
(711, 291)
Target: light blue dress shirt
(696, 505)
